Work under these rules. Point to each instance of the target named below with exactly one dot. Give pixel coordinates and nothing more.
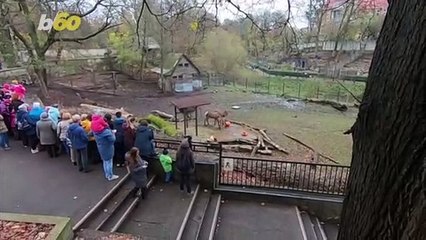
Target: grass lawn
(319, 126)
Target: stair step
(319, 232)
(331, 230)
(309, 226)
(208, 227)
(196, 217)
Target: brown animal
(218, 117)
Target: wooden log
(163, 115)
(238, 141)
(299, 141)
(264, 135)
(259, 141)
(336, 105)
(265, 152)
(93, 109)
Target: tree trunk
(386, 190)
(42, 79)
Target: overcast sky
(298, 8)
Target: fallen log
(103, 110)
(298, 141)
(264, 135)
(259, 142)
(336, 105)
(163, 115)
(265, 152)
(238, 141)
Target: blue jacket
(143, 141)
(78, 136)
(23, 118)
(118, 125)
(105, 142)
(35, 114)
(54, 114)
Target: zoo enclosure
(275, 174)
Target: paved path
(36, 184)
(249, 220)
(160, 215)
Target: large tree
(386, 196)
(22, 18)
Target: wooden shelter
(187, 105)
(184, 76)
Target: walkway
(251, 220)
(36, 184)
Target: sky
(298, 8)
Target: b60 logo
(62, 21)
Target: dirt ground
(318, 126)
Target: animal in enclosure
(219, 118)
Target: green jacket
(166, 161)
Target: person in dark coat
(46, 133)
(108, 119)
(120, 150)
(28, 127)
(79, 141)
(143, 141)
(185, 165)
(137, 169)
(129, 133)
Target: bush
(164, 125)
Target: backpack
(23, 124)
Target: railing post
(220, 164)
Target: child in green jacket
(166, 161)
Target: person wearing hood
(46, 132)
(22, 109)
(185, 165)
(28, 126)
(143, 141)
(4, 137)
(105, 139)
(79, 141)
(92, 149)
(36, 111)
(129, 133)
(108, 120)
(54, 113)
(119, 139)
(62, 133)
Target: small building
(183, 77)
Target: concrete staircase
(201, 218)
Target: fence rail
(271, 173)
(277, 174)
(196, 146)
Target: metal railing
(277, 174)
(173, 144)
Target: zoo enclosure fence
(275, 174)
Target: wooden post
(196, 121)
(185, 119)
(269, 85)
(283, 88)
(338, 94)
(246, 83)
(233, 81)
(114, 80)
(318, 92)
(299, 91)
(176, 120)
(208, 80)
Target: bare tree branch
(105, 27)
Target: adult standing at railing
(185, 165)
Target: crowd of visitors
(89, 139)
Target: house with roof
(183, 77)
